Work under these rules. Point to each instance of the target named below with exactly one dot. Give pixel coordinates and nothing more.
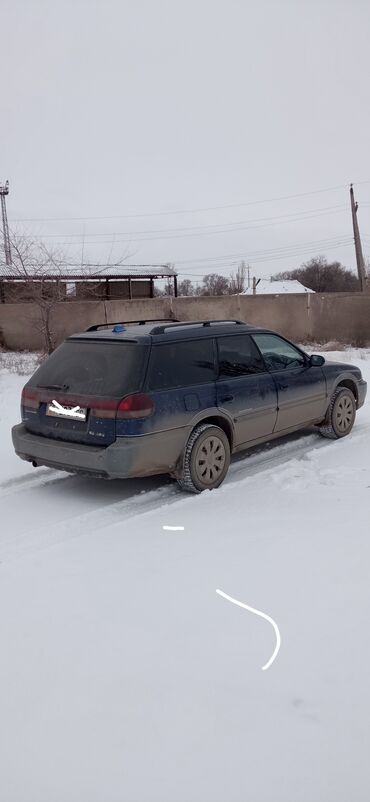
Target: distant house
(90, 282)
(265, 287)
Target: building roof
(277, 287)
(96, 272)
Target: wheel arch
(223, 423)
(350, 384)
(214, 420)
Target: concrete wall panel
(341, 316)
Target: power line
(190, 211)
(264, 254)
(134, 238)
(304, 214)
(283, 249)
(304, 252)
(320, 243)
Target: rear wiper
(53, 386)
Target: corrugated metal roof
(71, 272)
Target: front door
(245, 389)
(301, 387)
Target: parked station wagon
(122, 400)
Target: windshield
(93, 367)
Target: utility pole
(249, 275)
(256, 281)
(358, 247)
(4, 190)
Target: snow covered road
(125, 677)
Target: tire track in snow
(101, 518)
(44, 476)
(68, 528)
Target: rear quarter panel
(175, 408)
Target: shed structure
(88, 282)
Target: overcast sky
(149, 114)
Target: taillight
(103, 408)
(138, 405)
(30, 398)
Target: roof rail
(98, 326)
(204, 323)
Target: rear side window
(93, 367)
(238, 356)
(181, 364)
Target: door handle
(227, 398)
(283, 386)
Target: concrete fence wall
(334, 316)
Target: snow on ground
(124, 677)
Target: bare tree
(215, 284)
(237, 280)
(186, 287)
(36, 273)
(39, 275)
(169, 288)
(322, 276)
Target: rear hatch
(74, 395)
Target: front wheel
(341, 414)
(206, 459)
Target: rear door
(75, 393)
(245, 389)
(181, 382)
(301, 387)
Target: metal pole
(4, 190)
(358, 248)
(256, 282)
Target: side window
(238, 356)
(181, 364)
(277, 353)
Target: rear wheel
(206, 459)
(341, 414)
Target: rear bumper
(127, 457)
(362, 390)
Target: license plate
(56, 410)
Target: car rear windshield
(93, 368)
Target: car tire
(341, 414)
(206, 459)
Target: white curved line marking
(262, 615)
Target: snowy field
(124, 677)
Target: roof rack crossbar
(179, 324)
(98, 326)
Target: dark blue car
(133, 400)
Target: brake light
(103, 408)
(30, 398)
(138, 405)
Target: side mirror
(316, 360)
